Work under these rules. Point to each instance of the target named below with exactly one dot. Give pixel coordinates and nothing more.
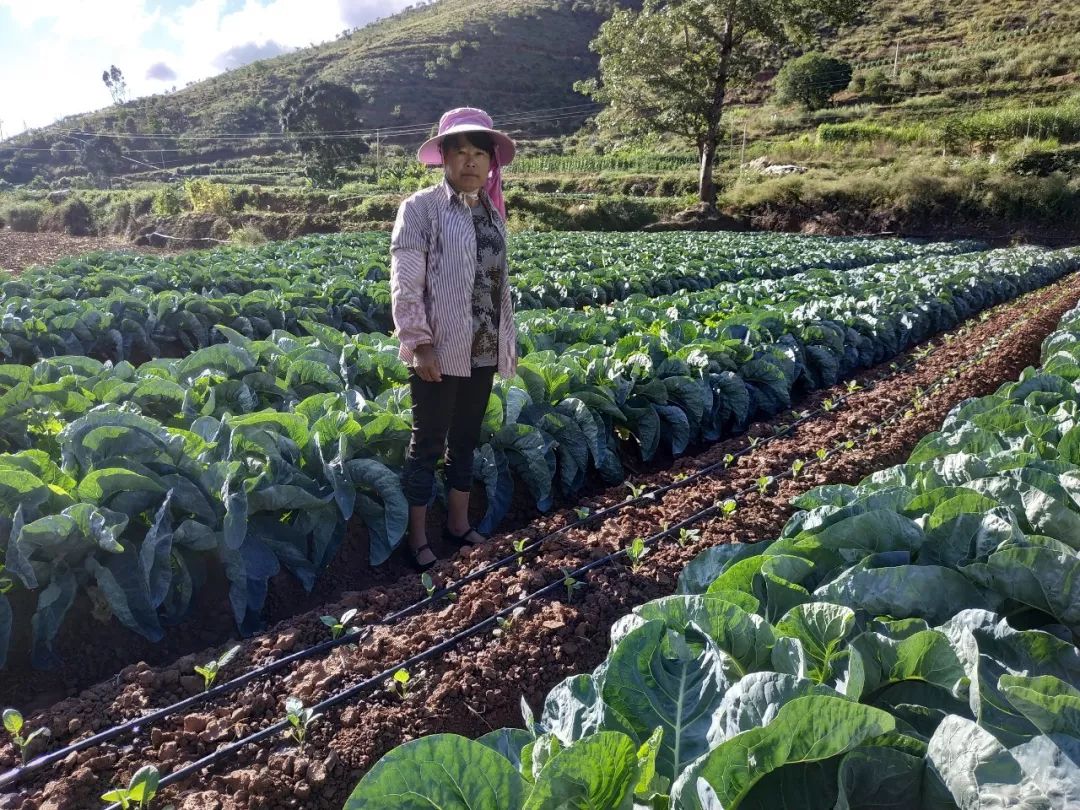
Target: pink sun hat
(465, 119)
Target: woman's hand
(425, 364)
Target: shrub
(378, 209)
(674, 185)
(25, 217)
(912, 81)
(168, 202)
(612, 215)
(117, 216)
(208, 198)
(72, 217)
(248, 236)
(811, 80)
(877, 86)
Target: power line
(412, 129)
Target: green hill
(510, 56)
(517, 56)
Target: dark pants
(447, 414)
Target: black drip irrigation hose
(345, 695)
(136, 725)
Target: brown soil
(476, 686)
(19, 251)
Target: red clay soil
(476, 686)
(19, 250)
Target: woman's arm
(408, 276)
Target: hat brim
(429, 153)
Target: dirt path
(476, 686)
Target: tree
(101, 157)
(667, 68)
(876, 85)
(322, 118)
(811, 79)
(114, 80)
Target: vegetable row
(137, 484)
(909, 642)
(122, 306)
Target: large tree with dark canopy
(668, 67)
(322, 119)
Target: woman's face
(466, 166)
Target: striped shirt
(432, 272)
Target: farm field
(262, 442)
(897, 641)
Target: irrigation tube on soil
(347, 694)
(135, 726)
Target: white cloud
(79, 20)
(356, 13)
(65, 44)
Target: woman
(451, 303)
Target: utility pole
(896, 59)
(378, 154)
(742, 154)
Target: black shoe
(414, 558)
(460, 539)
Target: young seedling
(687, 536)
(920, 395)
(874, 431)
(828, 404)
(727, 507)
(400, 684)
(337, 626)
(754, 440)
(570, 584)
(679, 477)
(425, 580)
(636, 490)
(853, 386)
(582, 512)
(300, 719)
(636, 551)
(13, 725)
(519, 550)
(507, 622)
(210, 669)
(796, 467)
(822, 454)
(763, 484)
(780, 429)
(140, 790)
(729, 459)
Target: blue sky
(52, 52)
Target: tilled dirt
(19, 250)
(476, 686)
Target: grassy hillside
(508, 55)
